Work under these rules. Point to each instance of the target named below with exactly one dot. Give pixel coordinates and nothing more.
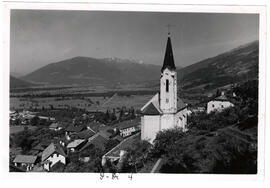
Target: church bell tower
(168, 82)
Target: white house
(51, 155)
(164, 110)
(218, 104)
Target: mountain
(16, 74)
(235, 65)
(227, 68)
(86, 70)
(18, 83)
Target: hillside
(230, 67)
(235, 65)
(85, 70)
(18, 83)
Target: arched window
(167, 85)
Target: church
(164, 110)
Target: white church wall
(218, 106)
(150, 127)
(167, 121)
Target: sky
(40, 37)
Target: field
(18, 128)
(87, 103)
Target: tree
(165, 139)
(34, 121)
(135, 157)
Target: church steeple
(168, 59)
(168, 82)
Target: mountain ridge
(222, 69)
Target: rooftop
(54, 125)
(25, 159)
(86, 134)
(221, 98)
(168, 59)
(73, 128)
(128, 123)
(51, 149)
(75, 143)
(124, 145)
(152, 107)
(97, 140)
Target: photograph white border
(36, 178)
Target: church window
(167, 85)
(167, 100)
(213, 105)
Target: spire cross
(169, 27)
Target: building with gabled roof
(51, 155)
(127, 128)
(70, 130)
(219, 103)
(86, 134)
(26, 162)
(75, 145)
(165, 110)
(97, 140)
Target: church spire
(168, 59)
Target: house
(98, 141)
(127, 128)
(26, 162)
(38, 149)
(219, 103)
(73, 130)
(76, 145)
(86, 134)
(55, 127)
(117, 153)
(51, 155)
(47, 118)
(164, 110)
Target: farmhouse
(51, 155)
(26, 162)
(164, 110)
(219, 103)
